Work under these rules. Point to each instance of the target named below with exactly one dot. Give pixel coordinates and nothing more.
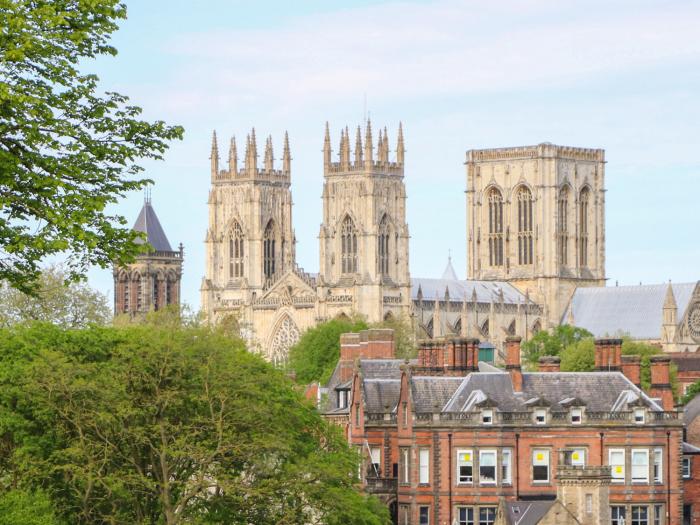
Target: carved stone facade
(536, 219)
(251, 272)
(153, 280)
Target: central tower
(364, 236)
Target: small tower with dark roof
(152, 281)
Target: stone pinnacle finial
(269, 158)
(286, 155)
(345, 148)
(233, 157)
(399, 146)
(214, 156)
(368, 143)
(327, 147)
(358, 147)
(385, 147)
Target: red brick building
(448, 440)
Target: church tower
(364, 236)
(153, 280)
(250, 240)
(536, 219)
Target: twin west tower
(251, 272)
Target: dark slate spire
(148, 223)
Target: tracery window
(348, 236)
(269, 252)
(563, 226)
(383, 246)
(583, 202)
(235, 252)
(495, 200)
(286, 336)
(525, 233)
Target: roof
(686, 361)
(147, 222)
(486, 291)
(526, 512)
(625, 310)
(690, 449)
(449, 274)
(691, 410)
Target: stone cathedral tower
(152, 281)
(363, 239)
(536, 219)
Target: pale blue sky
(618, 75)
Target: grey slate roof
(432, 392)
(619, 310)
(147, 222)
(691, 410)
(526, 512)
(486, 291)
(690, 449)
(381, 395)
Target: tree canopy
(551, 343)
(156, 423)
(314, 356)
(66, 304)
(66, 150)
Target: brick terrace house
(448, 440)
(691, 463)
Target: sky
(459, 74)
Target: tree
(579, 356)
(156, 423)
(545, 343)
(24, 508)
(692, 391)
(404, 336)
(314, 356)
(66, 151)
(66, 304)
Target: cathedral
(535, 249)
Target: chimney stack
(632, 369)
(608, 354)
(513, 366)
(661, 381)
(549, 363)
(472, 354)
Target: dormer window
(576, 416)
(487, 417)
(540, 416)
(639, 415)
(343, 398)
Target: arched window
(139, 293)
(269, 252)
(156, 296)
(485, 328)
(383, 246)
(563, 226)
(235, 252)
(583, 202)
(126, 293)
(495, 228)
(524, 226)
(348, 235)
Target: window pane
(465, 516)
(424, 516)
(487, 466)
(423, 460)
(487, 515)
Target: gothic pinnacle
(385, 147)
(286, 155)
(368, 143)
(399, 146)
(269, 159)
(214, 156)
(327, 147)
(358, 147)
(233, 158)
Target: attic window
(343, 398)
(639, 416)
(576, 416)
(487, 417)
(540, 416)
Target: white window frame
(541, 457)
(405, 465)
(589, 504)
(617, 470)
(621, 513)
(506, 466)
(576, 413)
(578, 456)
(487, 416)
(648, 512)
(658, 514)
(687, 467)
(375, 458)
(486, 508)
(658, 468)
(640, 452)
(482, 454)
(466, 520)
(343, 395)
(639, 416)
(465, 458)
(427, 515)
(540, 416)
(424, 466)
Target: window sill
(465, 483)
(423, 484)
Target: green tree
(24, 508)
(579, 356)
(551, 343)
(66, 150)
(55, 300)
(693, 390)
(314, 356)
(155, 423)
(404, 336)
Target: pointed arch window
(563, 226)
(235, 252)
(383, 246)
(269, 250)
(348, 234)
(126, 294)
(495, 200)
(583, 204)
(139, 293)
(525, 234)
(156, 295)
